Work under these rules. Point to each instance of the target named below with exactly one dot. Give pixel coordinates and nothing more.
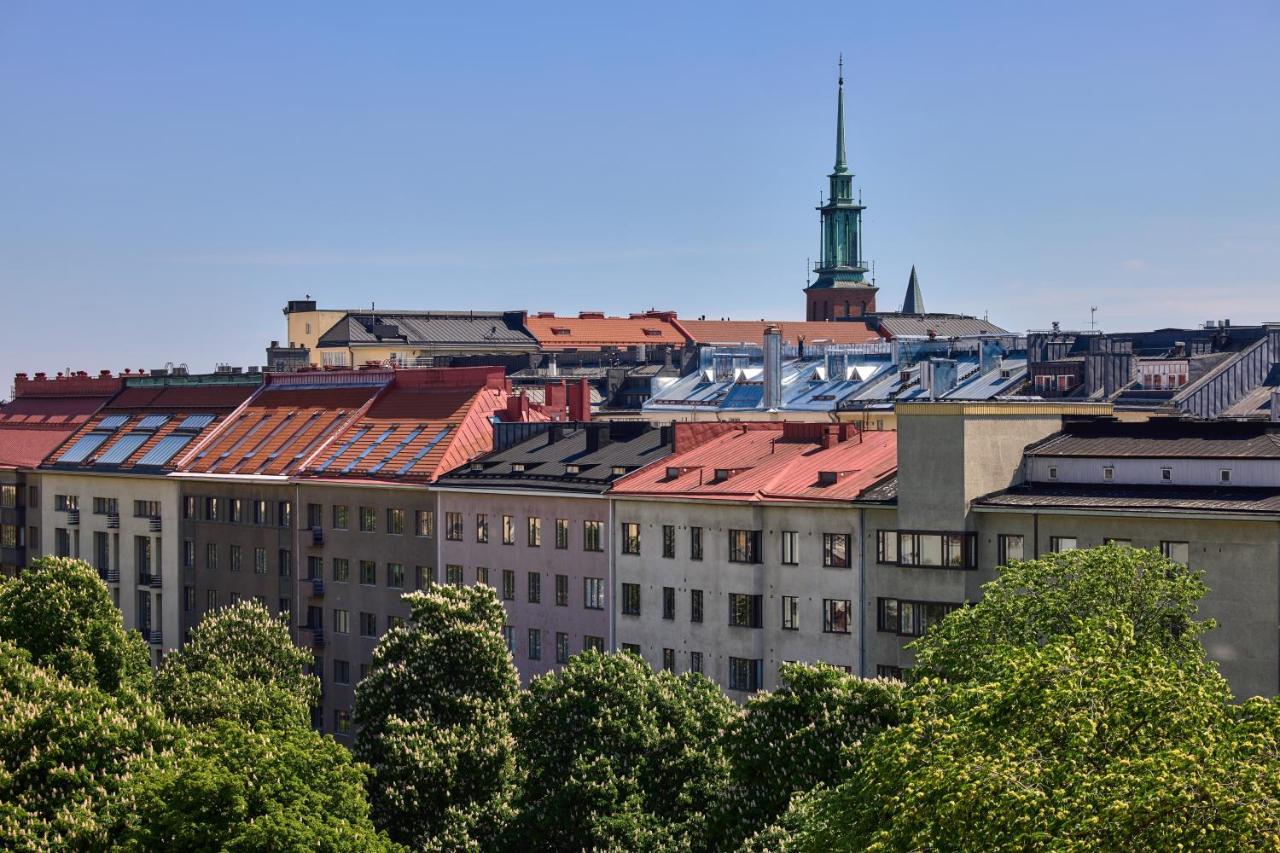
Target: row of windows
(927, 549)
(102, 506)
(592, 531)
(910, 618)
(232, 511)
(1012, 547)
(394, 575)
(235, 558)
(744, 545)
(341, 621)
(745, 610)
(593, 589)
(533, 648)
(284, 606)
(1166, 474)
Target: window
(562, 533)
(395, 575)
(453, 526)
(835, 550)
(315, 568)
(562, 590)
(188, 598)
(341, 721)
(592, 643)
(668, 602)
(368, 624)
(695, 662)
(668, 540)
(61, 542)
(593, 593)
(394, 622)
(669, 660)
(425, 522)
(744, 610)
(790, 613)
(259, 512)
(790, 548)
(210, 555)
(630, 537)
(695, 605)
(508, 585)
(695, 543)
(482, 575)
(744, 546)
(887, 546)
(509, 637)
(1177, 552)
(234, 554)
(1166, 475)
(9, 537)
(260, 560)
(315, 516)
(188, 554)
(188, 506)
(535, 587)
(1119, 543)
(285, 563)
(1224, 475)
(1108, 473)
(395, 522)
(422, 577)
(938, 550)
(210, 599)
(101, 506)
(631, 649)
(1058, 544)
(631, 599)
(453, 575)
(235, 598)
(593, 535)
(482, 527)
(745, 674)
(1053, 472)
(562, 647)
(341, 569)
(284, 514)
(910, 618)
(886, 671)
(141, 509)
(535, 644)
(1012, 548)
(534, 531)
(67, 503)
(368, 573)
(368, 519)
(341, 621)
(236, 510)
(341, 672)
(508, 530)
(340, 519)
(836, 613)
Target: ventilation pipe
(772, 368)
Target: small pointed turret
(841, 166)
(914, 301)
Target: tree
(1034, 600)
(619, 757)
(1077, 721)
(68, 753)
(804, 734)
(240, 664)
(435, 721)
(60, 611)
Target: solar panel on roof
(423, 451)
(360, 433)
(401, 446)
(153, 422)
(354, 462)
(113, 422)
(165, 449)
(195, 422)
(123, 449)
(79, 451)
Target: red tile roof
(752, 331)
(769, 462)
(596, 330)
(45, 413)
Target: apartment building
(43, 413)
(105, 496)
(743, 549)
(532, 520)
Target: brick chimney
(580, 401)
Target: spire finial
(842, 69)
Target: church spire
(914, 301)
(841, 166)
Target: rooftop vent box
(673, 473)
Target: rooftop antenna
(1093, 317)
(808, 264)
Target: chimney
(772, 368)
(598, 436)
(552, 368)
(830, 436)
(580, 401)
(800, 346)
(554, 403)
(1275, 405)
(517, 409)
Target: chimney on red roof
(555, 401)
(580, 401)
(517, 409)
(590, 315)
(830, 436)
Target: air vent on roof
(673, 473)
(572, 469)
(828, 478)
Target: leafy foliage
(619, 756)
(60, 611)
(240, 664)
(806, 733)
(435, 716)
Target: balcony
(317, 638)
(156, 526)
(864, 266)
(104, 573)
(113, 575)
(317, 588)
(154, 637)
(156, 583)
(73, 517)
(317, 536)
(113, 521)
(144, 577)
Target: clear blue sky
(172, 173)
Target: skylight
(196, 422)
(360, 457)
(113, 422)
(165, 449)
(423, 451)
(153, 422)
(80, 451)
(123, 449)
(360, 433)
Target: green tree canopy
(240, 664)
(619, 757)
(435, 721)
(60, 611)
(804, 734)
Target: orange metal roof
(770, 462)
(752, 331)
(596, 330)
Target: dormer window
(653, 333)
(477, 467)
(1108, 473)
(517, 467)
(560, 330)
(572, 469)
(1224, 476)
(828, 478)
(1053, 472)
(673, 473)
(618, 470)
(723, 474)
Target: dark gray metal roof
(1145, 498)
(424, 328)
(942, 325)
(1164, 438)
(622, 444)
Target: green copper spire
(841, 165)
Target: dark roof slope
(942, 325)
(421, 328)
(1163, 438)
(1148, 499)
